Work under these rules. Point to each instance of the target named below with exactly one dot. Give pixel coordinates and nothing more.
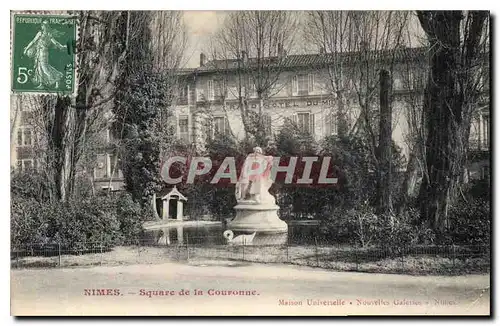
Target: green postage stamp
(43, 53)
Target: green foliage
(470, 222)
(290, 141)
(216, 200)
(109, 219)
(29, 185)
(141, 105)
(362, 227)
(28, 224)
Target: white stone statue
(255, 179)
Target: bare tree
(333, 34)
(256, 44)
(413, 75)
(356, 46)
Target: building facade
(22, 134)
(210, 99)
(300, 90)
(26, 147)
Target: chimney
(280, 50)
(244, 56)
(321, 50)
(203, 59)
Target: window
(302, 84)
(27, 137)
(112, 169)
(252, 90)
(221, 87)
(310, 83)
(295, 86)
(183, 94)
(25, 164)
(24, 137)
(192, 94)
(398, 84)
(411, 80)
(100, 170)
(220, 126)
(184, 128)
(210, 89)
(305, 122)
(28, 164)
(26, 117)
(331, 124)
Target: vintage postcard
(250, 163)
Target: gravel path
(251, 289)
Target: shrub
(107, 220)
(362, 227)
(29, 185)
(27, 223)
(470, 222)
(129, 215)
(357, 226)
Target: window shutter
(295, 119)
(226, 126)
(176, 126)
(333, 123)
(311, 124)
(295, 85)
(20, 137)
(211, 89)
(328, 124)
(310, 84)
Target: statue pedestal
(260, 218)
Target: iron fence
(423, 259)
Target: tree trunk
(409, 181)
(450, 92)
(342, 121)
(385, 144)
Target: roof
(308, 60)
(174, 192)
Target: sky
(200, 24)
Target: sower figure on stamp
(255, 179)
(38, 49)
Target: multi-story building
(24, 147)
(106, 172)
(210, 99)
(22, 135)
(301, 91)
